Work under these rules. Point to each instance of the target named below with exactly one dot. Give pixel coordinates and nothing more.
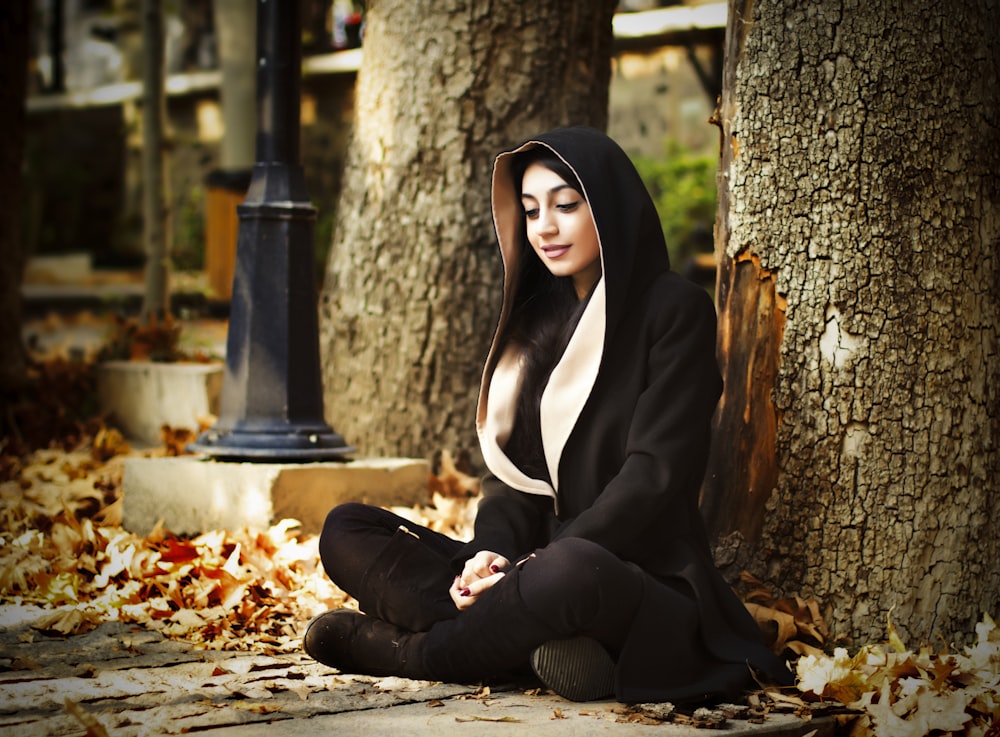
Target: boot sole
(578, 669)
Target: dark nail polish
(466, 592)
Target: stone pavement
(124, 680)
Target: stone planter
(139, 397)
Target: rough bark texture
(13, 89)
(861, 143)
(413, 283)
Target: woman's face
(560, 227)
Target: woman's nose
(546, 222)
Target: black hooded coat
(625, 423)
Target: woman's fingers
(480, 572)
(482, 565)
(477, 587)
(455, 592)
(465, 596)
(499, 563)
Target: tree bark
(236, 28)
(413, 283)
(859, 297)
(14, 37)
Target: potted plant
(146, 379)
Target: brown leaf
(94, 727)
(67, 621)
(778, 626)
(450, 481)
(107, 443)
(176, 439)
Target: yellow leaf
(62, 589)
(895, 642)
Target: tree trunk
(859, 292)
(14, 37)
(155, 182)
(236, 29)
(413, 284)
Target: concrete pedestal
(191, 494)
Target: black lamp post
(272, 394)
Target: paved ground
(123, 681)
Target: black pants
(401, 572)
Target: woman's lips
(554, 251)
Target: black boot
(578, 669)
(353, 642)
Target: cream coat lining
(568, 389)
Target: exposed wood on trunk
(744, 461)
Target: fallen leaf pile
(62, 548)
(899, 693)
(54, 409)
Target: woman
(589, 559)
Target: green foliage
(189, 230)
(683, 188)
(323, 236)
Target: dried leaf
(450, 481)
(894, 640)
(778, 624)
(94, 727)
(108, 443)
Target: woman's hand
(481, 571)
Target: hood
(633, 253)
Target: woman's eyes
(532, 213)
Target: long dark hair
(544, 314)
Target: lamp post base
(303, 446)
